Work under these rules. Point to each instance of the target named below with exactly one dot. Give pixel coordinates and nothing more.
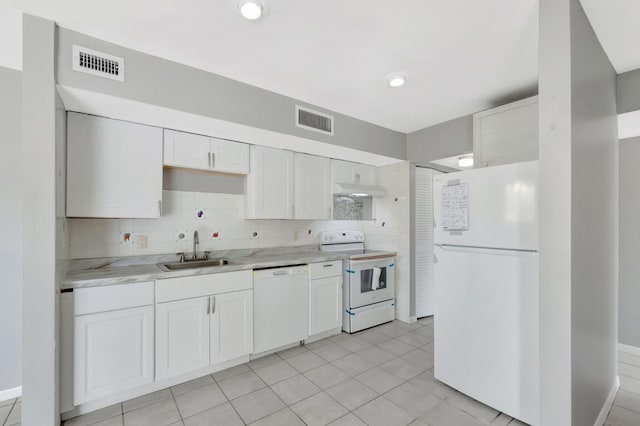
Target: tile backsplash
(218, 218)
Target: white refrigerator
(486, 286)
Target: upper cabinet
(205, 153)
(354, 173)
(507, 134)
(312, 187)
(114, 168)
(269, 187)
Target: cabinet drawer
(325, 269)
(113, 297)
(202, 285)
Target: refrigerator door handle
(454, 246)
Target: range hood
(357, 190)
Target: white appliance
(369, 280)
(280, 307)
(486, 286)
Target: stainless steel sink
(192, 264)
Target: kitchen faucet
(196, 241)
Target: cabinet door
(229, 157)
(269, 191)
(231, 325)
(342, 171)
(114, 168)
(312, 187)
(113, 352)
(325, 304)
(364, 174)
(187, 150)
(182, 336)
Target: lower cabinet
(194, 333)
(182, 336)
(325, 304)
(113, 352)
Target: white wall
(40, 313)
(11, 230)
(223, 214)
(392, 229)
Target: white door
(364, 174)
(325, 304)
(312, 187)
(182, 336)
(342, 171)
(486, 327)
(113, 352)
(231, 325)
(229, 157)
(423, 231)
(114, 168)
(269, 191)
(187, 150)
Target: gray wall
(594, 225)
(629, 292)
(11, 229)
(578, 217)
(443, 140)
(40, 296)
(194, 181)
(629, 91)
(157, 81)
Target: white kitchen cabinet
(354, 173)
(114, 168)
(231, 326)
(313, 197)
(229, 156)
(269, 188)
(202, 321)
(113, 352)
(507, 134)
(200, 152)
(325, 304)
(182, 336)
(325, 297)
(188, 150)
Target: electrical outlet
(141, 241)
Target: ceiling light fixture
(396, 80)
(465, 161)
(251, 9)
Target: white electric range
(368, 280)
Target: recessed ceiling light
(251, 9)
(396, 80)
(465, 161)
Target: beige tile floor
(382, 376)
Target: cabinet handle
(159, 207)
(213, 160)
(328, 265)
(209, 160)
(213, 305)
(208, 305)
(329, 210)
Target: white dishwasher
(280, 307)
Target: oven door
(371, 281)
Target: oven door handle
(373, 259)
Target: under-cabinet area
(125, 340)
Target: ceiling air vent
(98, 63)
(313, 120)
